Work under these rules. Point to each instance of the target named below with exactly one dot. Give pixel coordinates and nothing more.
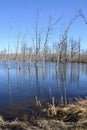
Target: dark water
(19, 87)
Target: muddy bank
(70, 117)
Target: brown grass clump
(51, 111)
(69, 113)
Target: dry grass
(69, 113)
(73, 116)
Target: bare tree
(79, 49)
(50, 27)
(38, 37)
(9, 46)
(29, 56)
(17, 48)
(75, 50)
(63, 40)
(24, 48)
(37, 44)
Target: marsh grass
(70, 113)
(70, 117)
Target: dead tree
(46, 37)
(75, 47)
(75, 50)
(29, 56)
(50, 27)
(9, 46)
(79, 50)
(63, 41)
(38, 36)
(17, 47)
(37, 44)
(63, 50)
(23, 48)
(17, 55)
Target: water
(19, 87)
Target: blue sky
(21, 15)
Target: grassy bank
(72, 116)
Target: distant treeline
(77, 57)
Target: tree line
(64, 50)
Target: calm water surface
(19, 87)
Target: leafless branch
(70, 23)
(82, 15)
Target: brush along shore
(72, 116)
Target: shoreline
(73, 115)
